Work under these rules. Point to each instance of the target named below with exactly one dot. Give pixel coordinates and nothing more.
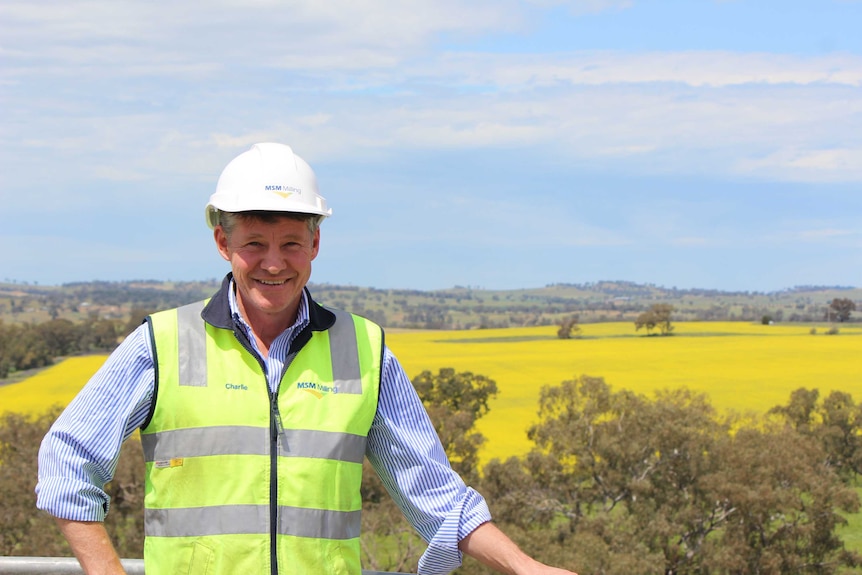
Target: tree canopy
(616, 482)
(841, 309)
(657, 316)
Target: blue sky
(501, 144)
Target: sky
(497, 144)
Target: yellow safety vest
(243, 481)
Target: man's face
(271, 263)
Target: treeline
(75, 299)
(617, 483)
(30, 346)
(455, 308)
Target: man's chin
(273, 303)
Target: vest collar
(217, 310)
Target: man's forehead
(280, 227)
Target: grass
(851, 533)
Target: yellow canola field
(56, 385)
(741, 366)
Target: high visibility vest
(240, 480)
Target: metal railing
(70, 566)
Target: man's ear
(221, 242)
(315, 243)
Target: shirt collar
(301, 313)
(218, 311)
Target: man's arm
(491, 547)
(91, 545)
(406, 452)
(79, 453)
(402, 440)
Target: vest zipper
(276, 428)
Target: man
(256, 409)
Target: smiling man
(256, 409)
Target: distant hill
(455, 308)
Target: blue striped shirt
(79, 454)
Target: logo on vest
(234, 386)
(318, 390)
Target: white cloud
(813, 165)
(585, 6)
(816, 233)
(134, 38)
(692, 68)
(129, 90)
(692, 241)
(828, 233)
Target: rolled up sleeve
(79, 454)
(407, 454)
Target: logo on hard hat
(283, 189)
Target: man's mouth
(272, 282)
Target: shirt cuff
(443, 554)
(71, 499)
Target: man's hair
(228, 220)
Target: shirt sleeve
(407, 454)
(79, 454)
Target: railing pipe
(57, 566)
(70, 566)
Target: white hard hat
(268, 177)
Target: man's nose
(273, 261)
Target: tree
(137, 315)
(646, 320)
(61, 336)
(99, 334)
(22, 347)
(799, 411)
(664, 486)
(26, 531)
(568, 327)
(786, 508)
(658, 315)
(455, 401)
(836, 424)
(841, 433)
(841, 308)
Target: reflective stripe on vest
(209, 449)
(251, 519)
(235, 440)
